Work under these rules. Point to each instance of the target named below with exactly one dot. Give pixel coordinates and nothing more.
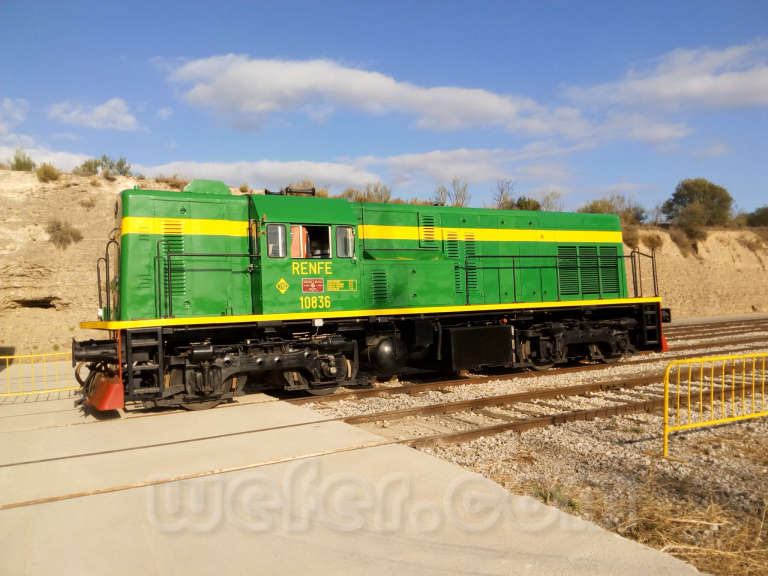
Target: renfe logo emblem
(312, 285)
(282, 285)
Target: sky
(583, 99)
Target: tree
(122, 167)
(552, 202)
(759, 217)
(627, 209)
(456, 195)
(376, 192)
(714, 203)
(502, 199)
(526, 203)
(88, 168)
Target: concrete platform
(246, 490)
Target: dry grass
(47, 173)
(175, 181)
(686, 245)
(653, 241)
(631, 236)
(754, 244)
(711, 537)
(88, 202)
(62, 233)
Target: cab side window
(310, 241)
(276, 240)
(345, 241)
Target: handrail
(109, 290)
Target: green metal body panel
(404, 256)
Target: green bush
(759, 217)
(21, 161)
(88, 168)
(629, 211)
(62, 233)
(47, 173)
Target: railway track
(677, 352)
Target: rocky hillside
(45, 291)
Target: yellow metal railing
(701, 392)
(26, 374)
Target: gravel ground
(523, 382)
(706, 504)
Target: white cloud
(473, 166)
(62, 160)
(112, 115)
(268, 173)
(642, 128)
(712, 151)
(247, 91)
(12, 113)
(736, 76)
(164, 113)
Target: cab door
(309, 268)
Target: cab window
(345, 242)
(276, 240)
(310, 241)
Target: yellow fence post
(19, 361)
(749, 410)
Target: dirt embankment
(46, 291)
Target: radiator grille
(609, 269)
(590, 273)
(568, 270)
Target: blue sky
(577, 98)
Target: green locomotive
(209, 288)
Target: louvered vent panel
(173, 241)
(609, 269)
(470, 250)
(379, 287)
(452, 245)
(590, 273)
(568, 270)
(428, 235)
